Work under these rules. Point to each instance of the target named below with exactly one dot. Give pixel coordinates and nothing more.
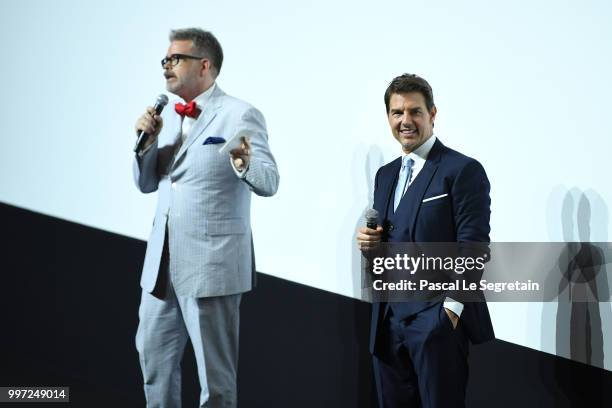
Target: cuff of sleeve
(453, 306)
(240, 173)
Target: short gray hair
(205, 44)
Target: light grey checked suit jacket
(202, 201)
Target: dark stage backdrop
(69, 311)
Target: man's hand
(453, 317)
(150, 123)
(368, 238)
(241, 155)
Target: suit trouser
(421, 361)
(212, 325)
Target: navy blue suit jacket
(461, 216)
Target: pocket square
(434, 198)
(213, 140)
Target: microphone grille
(371, 214)
(162, 100)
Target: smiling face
(411, 123)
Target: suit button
(391, 227)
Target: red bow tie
(187, 109)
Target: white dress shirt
(200, 101)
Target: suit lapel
(207, 116)
(412, 200)
(387, 186)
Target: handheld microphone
(160, 103)
(371, 217)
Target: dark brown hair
(410, 83)
(205, 44)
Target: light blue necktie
(403, 180)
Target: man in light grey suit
(199, 256)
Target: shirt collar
(204, 97)
(420, 153)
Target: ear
(205, 67)
(433, 113)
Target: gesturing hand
(241, 155)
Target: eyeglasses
(174, 59)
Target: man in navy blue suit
(429, 194)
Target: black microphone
(371, 217)
(160, 103)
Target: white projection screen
(522, 86)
